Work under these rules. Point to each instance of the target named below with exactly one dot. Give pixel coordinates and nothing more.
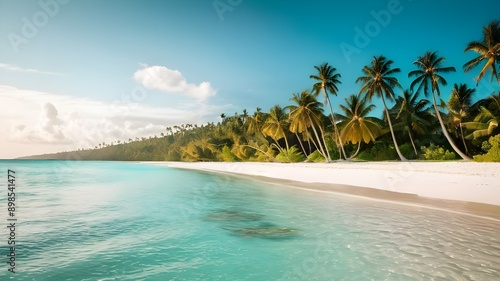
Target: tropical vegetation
(415, 122)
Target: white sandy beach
(462, 181)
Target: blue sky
(76, 73)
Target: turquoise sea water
(131, 221)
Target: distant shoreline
(465, 187)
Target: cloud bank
(38, 122)
(172, 81)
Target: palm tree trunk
(412, 143)
(445, 132)
(319, 140)
(324, 142)
(463, 139)
(308, 140)
(336, 132)
(392, 131)
(277, 145)
(357, 151)
(301, 145)
(316, 146)
(286, 142)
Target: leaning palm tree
(488, 50)
(304, 114)
(378, 81)
(276, 125)
(327, 83)
(429, 66)
(356, 126)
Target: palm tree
(327, 82)
(244, 115)
(412, 115)
(494, 103)
(356, 126)
(488, 50)
(304, 114)
(429, 67)
(253, 128)
(254, 123)
(459, 107)
(378, 81)
(200, 150)
(487, 119)
(276, 124)
(484, 124)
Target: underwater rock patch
(232, 215)
(266, 232)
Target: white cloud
(15, 68)
(171, 81)
(37, 122)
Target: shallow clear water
(129, 221)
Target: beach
(458, 186)
(105, 217)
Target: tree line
(419, 124)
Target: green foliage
(173, 155)
(265, 153)
(291, 155)
(493, 154)
(316, 157)
(199, 150)
(436, 152)
(332, 147)
(242, 152)
(408, 151)
(486, 146)
(226, 155)
(253, 152)
(380, 151)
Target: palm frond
(477, 47)
(473, 63)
